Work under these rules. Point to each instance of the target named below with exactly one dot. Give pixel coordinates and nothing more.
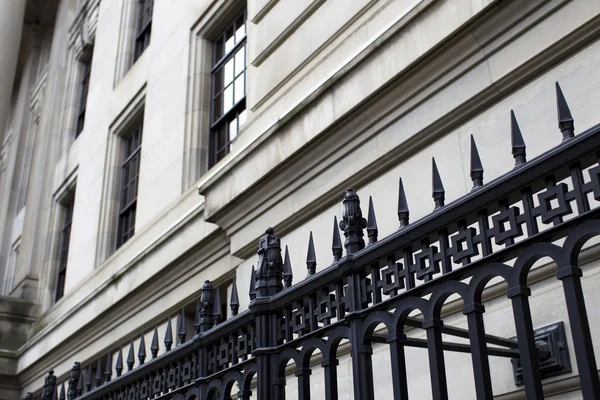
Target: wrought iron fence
(545, 207)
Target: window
(9, 278)
(65, 238)
(85, 85)
(228, 101)
(144, 27)
(129, 185)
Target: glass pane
(229, 40)
(228, 72)
(241, 29)
(218, 82)
(240, 62)
(218, 106)
(233, 129)
(222, 138)
(219, 49)
(240, 90)
(228, 98)
(242, 118)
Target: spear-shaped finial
(168, 336)
(439, 193)
(142, 350)
(80, 384)
(181, 330)
(517, 142)
(311, 259)
(217, 314)
(154, 345)
(119, 366)
(565, 119)
(88, 379)
(61, 396)
(130, 358)
(336, 245)
(287, 269)
(108, 368)
(476, 166)
(372, 230)
(234, 301)
(98, 376)
(403, 212)
(252, 290)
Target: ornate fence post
(268, 282)
(353, 224)
(75, 373)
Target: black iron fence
(545, 207)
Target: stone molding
(82, 32)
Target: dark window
(129, 185)
(65, 238)
(228, 100)
(83, 94)
(144, 27)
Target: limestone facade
(340, 93)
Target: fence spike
(476, 166)
(154, 345)
(234, 301)
(252, 290)
(217, 307)
(181, 330)
(336, 246)
(88, 379)
(372, 230)
(119, 366)
(287, 269)
(108, 368)
(403, 212)
(142, 350)
(517, 142)
(80, 383)
(61, 396)
(565, 119)
(311, 259)
(98, 376)
(168, 336)
(130, 358)
(439, 193)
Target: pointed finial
(61, 396)
(287, 269)
(142, 350)
(108, 368)
(336, 245)
(234, 301)
(168, 336)
(311, 259)
(517, 142)
(565, 119)
(217, 307)
(130, 358)
(252, 291)
(181, 330)
(88, 379)
(372, 230)
(154, 344)
(476, 166)
(403, 212)
(439, 193)
(98, 376)
(80, 383)
(119, 365)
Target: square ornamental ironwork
(502, 233)
(463, 246)
(546, 198)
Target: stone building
(146, 145)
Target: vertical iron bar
(527, 349)
(437, 367)
(398, 359)
(303, 376)
(330, 371)
(479, 356)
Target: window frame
(83, 95)
(68, 206)
(143, 30)
(218, 150)
(128, 204)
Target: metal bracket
(551, 342)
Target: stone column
(12, 14)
